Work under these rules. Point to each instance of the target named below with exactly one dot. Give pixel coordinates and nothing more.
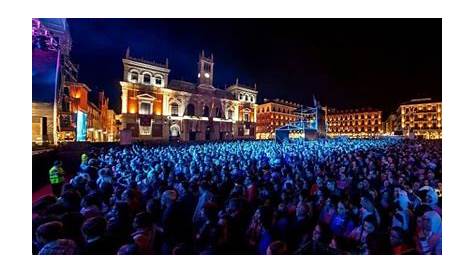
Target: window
(246, 98)
(159, 80)
(134, 76)
(190, 110)
(174, 109)
(207, 67)
(230, 113)
(146, 78)
(65, 104)
(66, 91)
(44, 127)
(218, 112)
(246, 117)
(206, 111)
(145, 108)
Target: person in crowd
(208, 234)
(258, 233)
(205, 196)
(341, 224)
(398, 241)
(56, 178)
(170, 220)
(49, 237)
(96, 241)
(277, 248)
(429, 236)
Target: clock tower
(205, 70)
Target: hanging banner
(145, 120)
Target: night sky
(346, 63)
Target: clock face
(206, 75)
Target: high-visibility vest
(56, 175)
(83, 158)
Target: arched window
(146, 78)
(159, 80)
(206, 111)
(190, 110)
(218, 112)
(174, 131)
(246, 98)
(230, 113)
(133, 76)
(246, 117)
(174, 109)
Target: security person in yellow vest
(84, 158)
(56, 178)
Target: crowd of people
(329, 196)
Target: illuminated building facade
(74, 112)
(354, 123)
(111, 126)
(157, 109)
(391, 124)
(421, 118)
(273, 114)
(89, 121)
(94, 127)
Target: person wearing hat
(56, 178)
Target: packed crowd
(330, 196)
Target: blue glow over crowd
(328, 196)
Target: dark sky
(346, 63)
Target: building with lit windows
(420, 118)
(155, 108)
(391, 124)
(94, 128)
(83, 120)
(354, 122)
(73, 112)
(272, 114)
(111, 126)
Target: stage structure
(312, 124)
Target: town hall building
(155, 108)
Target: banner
(81, 126)
(145, 120)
